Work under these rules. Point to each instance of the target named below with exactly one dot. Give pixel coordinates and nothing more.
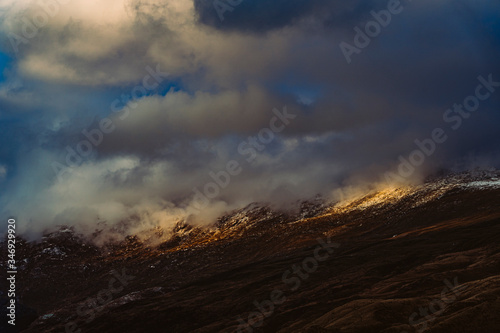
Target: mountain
(421, 258)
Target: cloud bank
(75, 67)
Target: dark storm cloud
(262, 16)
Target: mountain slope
(423, 258)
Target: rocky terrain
(411, 259)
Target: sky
(131, 114)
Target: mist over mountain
(408, 259)
(127, 110)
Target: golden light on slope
(374, 198)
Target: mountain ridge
(396, 248)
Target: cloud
(225, 78)
(262, 16)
